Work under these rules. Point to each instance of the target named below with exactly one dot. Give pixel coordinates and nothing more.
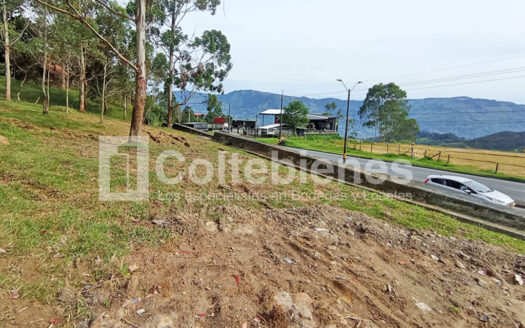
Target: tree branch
(21, 34)
(114, 12)
(76, 15)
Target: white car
(470, 187)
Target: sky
(443, 48)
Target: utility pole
(347, 114)
(281, 117)
(346, 125)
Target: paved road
(515, 190)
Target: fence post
(425, 155)
(371, 145)
(448, 159)
(439, 156)
(387, 148)
(497, 166)
(399, 149)
(412, 152)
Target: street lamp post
(349, 91)
(281, 117)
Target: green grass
(49, 208)
(419, 218)
(50, 214)
(326, 144)
(32, 92)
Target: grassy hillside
(56, 235)
(32, 93)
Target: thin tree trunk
(178, 112)
(171, 63)
(21, 86)
(7, 53)
(45, 103)
(82, 85)
(67, 89)
(103, 106)
(140, 78)
(47, 89)
(44, 93)
(63, 77)
(86, 91)
(125, 106)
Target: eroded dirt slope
(311, 267)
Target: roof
(317, 117)
(270, 112)
(270, 126)
(311, 117)
(450, 177)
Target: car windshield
(477, 187)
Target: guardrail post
(497, 166)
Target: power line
(467, 76)
(450, 67)
(465, 83)
(446, 85)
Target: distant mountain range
(462, 116)
(506, 141)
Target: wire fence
(492, 161)
(480, 159)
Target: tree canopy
(295, 114)
(385, 109)
(103, 47)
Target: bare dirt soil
(308, 267)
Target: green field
(334, 144)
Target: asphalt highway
(516, 190)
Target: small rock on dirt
(4, 141)
(284, 300)
(132, 268)
(303, 305)
(459, 264)
(483, 317)
(518, 279)
(212, 226)
(423, 307)
(160, 223)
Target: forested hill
(463, 116)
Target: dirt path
(312, 267)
